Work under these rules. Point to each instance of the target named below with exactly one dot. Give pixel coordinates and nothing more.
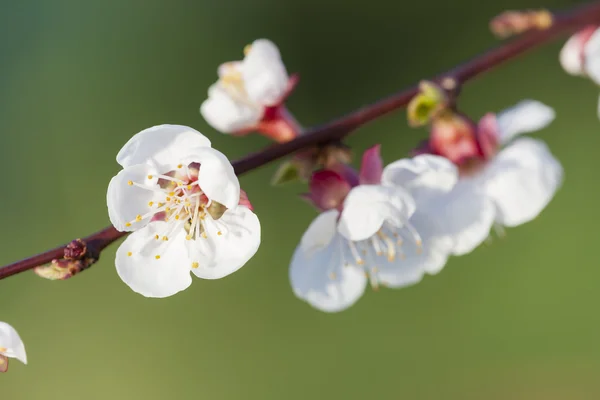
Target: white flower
(374, 231)
(246, 89)
(510, 185)
(11, 346)
(181, 199)
(580, 55)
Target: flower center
(178, 199)
(384, 247)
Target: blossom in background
(249, 95)
(183, 203)
(11, 346)
(580, 56)
(504, 180)
(374, 226)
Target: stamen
(157, 257)
(195, 265)
(164, 238)
(355, 254)
(150, 203)
(129, 254)
(150, 177)
(130, 183)
(156, 237)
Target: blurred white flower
(249, 92)
(580, 55)
(504, 180)
(183, 201)
(11, 346)
(371, 228)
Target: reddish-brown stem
(566, 22)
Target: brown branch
(569, 21)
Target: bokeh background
(516, 319)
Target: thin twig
(569, 21)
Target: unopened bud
(78, 256)
(75, 250)
(453, 136)
(511, 23)
(430, 100)
(303, 164)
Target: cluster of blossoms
(387, 226)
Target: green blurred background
(514, 320)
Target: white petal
(592, 57)
(317, 272)
(570, 56)
(220, 255)
(423, 176)
(11, 341)
(461, 218)
(125, 202)
(320, 232)
(522, 180)
(367, 207)
(227, 115)
(217, 177)
(264, 74)
(526, 116)
(161, 146)
(147, 275)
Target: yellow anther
(188, 237)
(129, 254)
(160, 204)
(128, 224)
(150, 177)
(189, 187)
(157, 257)
(204, 235)
(150, 203)
(3, 349)
(171, 193)
(130, 183)
(179, 184)
(138, 218)
(168, 209)
(188, 204)
(156, 237)
(219, 233)
(195, 265)
(361, 262)
(177, 217)
(247, 49)
(168, 199)
(180, 165)
(165, 238)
